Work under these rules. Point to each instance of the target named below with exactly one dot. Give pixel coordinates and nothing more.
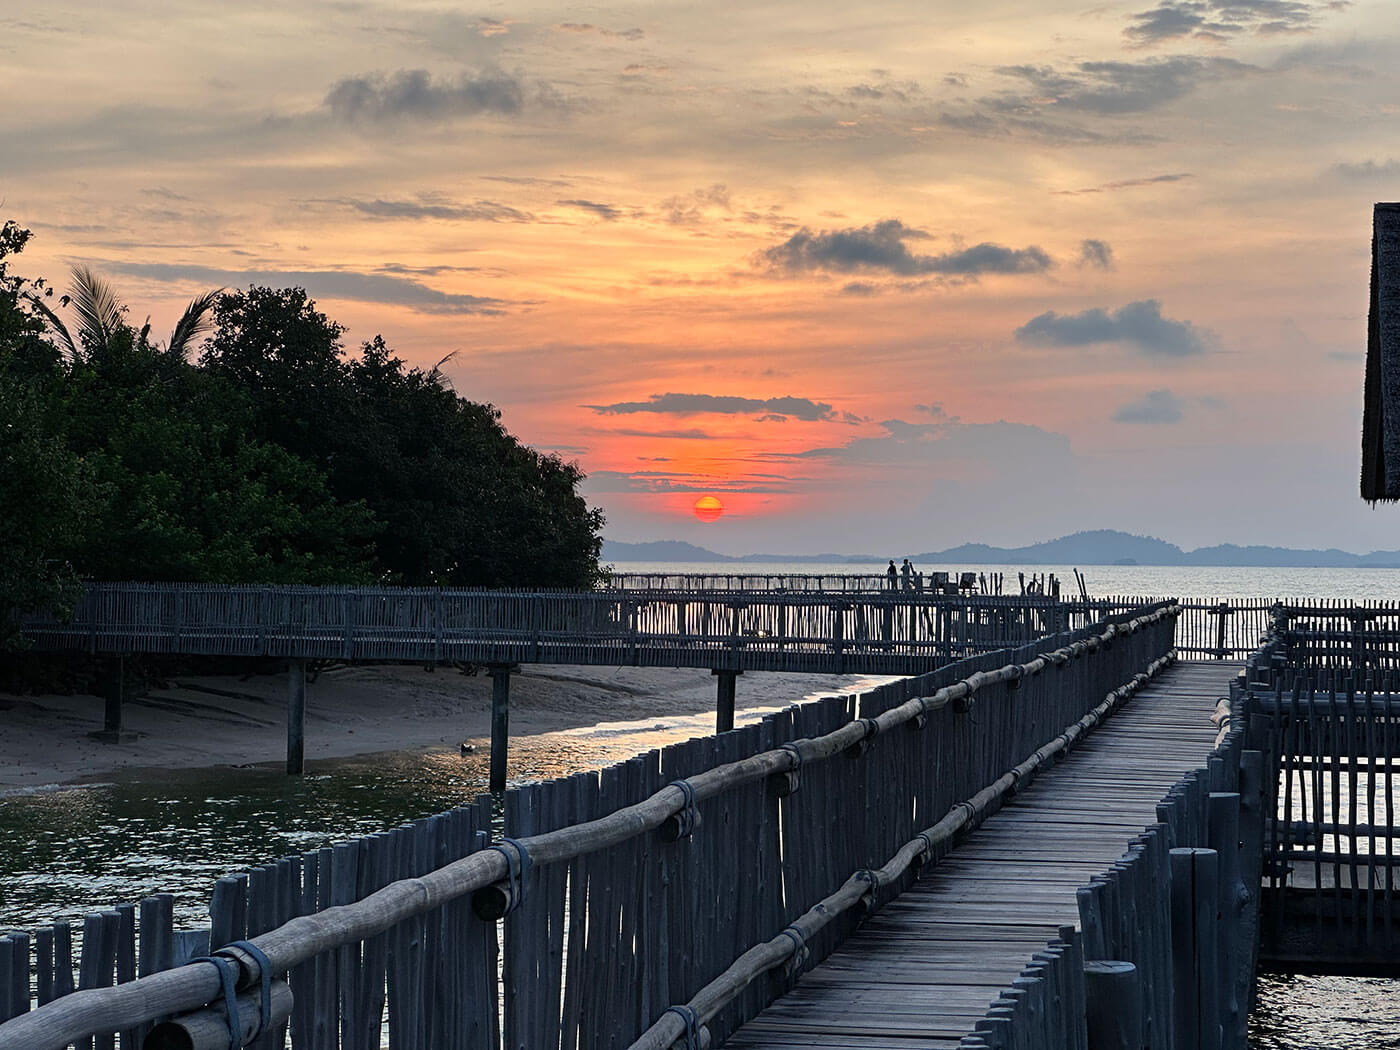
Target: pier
(1064, 843)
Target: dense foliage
(274, 457)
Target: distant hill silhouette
(1096, 547)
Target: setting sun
(708, 508)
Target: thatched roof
(1380, 425)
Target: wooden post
(1224, 837)
(1113, 1005)
(114, 695)
(1195, 948)
(296, 717)
(724, 708)
(500, 722)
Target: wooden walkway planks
(922, 971)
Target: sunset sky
(881, 278)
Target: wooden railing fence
(866, 631)
(891, 632)
(1327, 703)
(706, 875)
(1181, 907)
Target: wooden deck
(922, 972)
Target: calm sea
(68, 851)
(1149, 580)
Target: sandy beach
(212, 721)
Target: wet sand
(208, 721)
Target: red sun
(708, 508)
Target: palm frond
(438, 377)
(193, 323)
(100, 312)
(54, 322)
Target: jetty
(1081, 840)
(827, 624)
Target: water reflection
(67, 852)
(1340, 1013)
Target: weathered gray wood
(296, 717)
(724, 704)
(500, 724)
(1113, 1005)
(209, 1029)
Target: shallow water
(1339, 1013)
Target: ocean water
(68, 851)
(1166, 581)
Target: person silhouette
(892, 574)
(907, 571)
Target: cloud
(1369, 169)
(1096, 254)
(436, 208)
(1139, 324)
(880, 247)
(1155, 406)
(582, 28)
(673, 481)
(690, 208)
(604, 211)
(949, 448)
(1222, 19)
(689, 404)
(329, 284)
(1124, 184)
(1116, 88)
(415, 94)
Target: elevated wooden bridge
(923, 971)
(1056, 845)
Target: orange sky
(886, 279)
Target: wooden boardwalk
(923, 971)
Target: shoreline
(354, 712)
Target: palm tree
(102, 319)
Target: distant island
(1097, 547)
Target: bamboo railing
(1325, 699)
(1164, 952)
(872, 632)
(879, 633)
(818, 813)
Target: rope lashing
(687, 818)
(228, 979)
(792, 778)
(800, 952)
(868, 898)
(692, 1025)
(264, 981)
(927, 852)
(871, 730)
(517, 870)
(796, 757)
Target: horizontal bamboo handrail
(761, 958)
(170, 992)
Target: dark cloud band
(881, 247)
(690, 404)
(328, 284)
(1138, 324)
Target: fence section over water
(835, 631)
(705, 876)
(1327, 699)
(873, 633)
